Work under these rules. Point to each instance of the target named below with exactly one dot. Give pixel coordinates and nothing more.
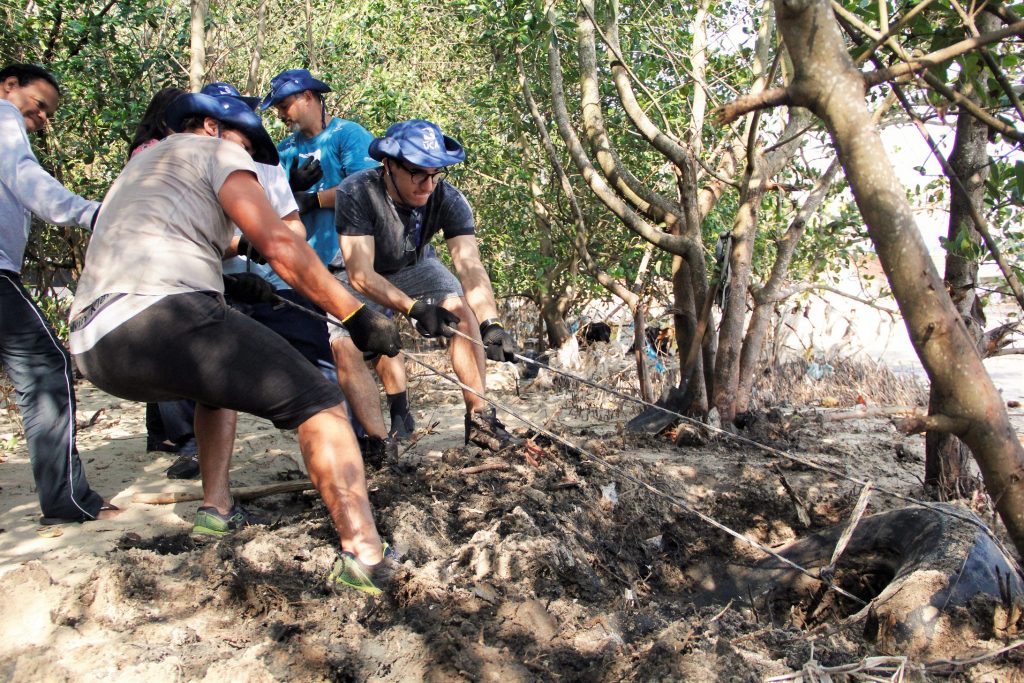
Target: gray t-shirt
(400, 234)
(161, 231)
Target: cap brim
(290, 88)
(453, 152)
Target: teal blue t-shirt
(342, 149)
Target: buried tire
(917, 569)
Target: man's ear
(10, 83)
(211, 126)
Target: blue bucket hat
(222, 89)
(230, 111)
(419, 142)
(289, 82)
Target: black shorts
(193, 346)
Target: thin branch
(990, 61)
(889, 32)
(766, 99)
(933, 423)
(915, 64)
(1008, 351)
(980, 224)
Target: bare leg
(468, 359)
(392, 373)
(335, 467)
(360, 389)
(215, 436)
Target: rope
(639, 482)
(643, 484)
(756, 444)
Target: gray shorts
(427, 281)
(193, 346)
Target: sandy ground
(554, 568)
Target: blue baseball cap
(222, 89)
(289, 82)
(230, 111)
(419, 142)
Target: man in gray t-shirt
(386, 218)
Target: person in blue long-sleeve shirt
(36, 362)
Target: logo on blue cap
(419, 142)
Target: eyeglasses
(419, 176)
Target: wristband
(317, 195)
(349, 316)
(409, 312)
(491, 321)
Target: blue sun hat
(289, 82)
(419, 142)
(230, 111)
(222, 89)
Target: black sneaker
(377, 451)
(186, 466)
(402, 426)
(484, 429)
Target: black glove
(305, 175)
(245, 248)
(433, 321)
(307, 201)
(498, 344)
(372, 332)
(249, 288)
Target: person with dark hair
(386, 217)
(339, 148)
(148, 328)
(169, 424)
(32, 355)
(153, 128)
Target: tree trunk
(826, 82)
(766, 297)
(947, 459)
(197, 65)
(252, 80)
(640, 349)
(314, 63)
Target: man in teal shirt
(341, 148)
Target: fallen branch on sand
(240, 493)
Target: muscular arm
(246, 204)
(358, 252)
(291, 220)
(471, 273)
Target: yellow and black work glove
(305, 175)
(372, 332)
(248, 288)
(433, 321)
(498, 344)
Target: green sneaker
(212, 524)
(349, 571)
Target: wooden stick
(873, 411)
(486, 467)
(801, 509)
(241, 493)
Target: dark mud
(555, 568)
